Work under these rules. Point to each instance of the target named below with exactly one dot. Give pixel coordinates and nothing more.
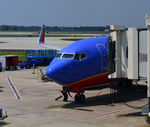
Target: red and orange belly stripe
(91, 81)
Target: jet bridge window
(68, 56)
(58, 55)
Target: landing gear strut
(80, 98)
(64, 93)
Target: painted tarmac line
(71, 116)
(13, 88)
(31, 91)
(7, 101)
(62, 106)
(99, 93)
(112, 113)
(56, 106)
(108, 113)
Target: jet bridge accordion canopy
(127, 53)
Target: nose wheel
(80, 98)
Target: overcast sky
(74, 12)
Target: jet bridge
(127, 54)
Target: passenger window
(83, 56)
(76, 57)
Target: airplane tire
(21, 67)
(28, 66)
(80, 98)
(7, 68)
(77, 98)
(44, 77)
(147, 119)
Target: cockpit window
(68, 56)
(58, 55)
(77, 56)
(80, 56)
(83, 55)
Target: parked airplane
(42, 39)
(80, 65)
(42, 36)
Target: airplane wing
(51, 47)
(42, 40)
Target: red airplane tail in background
(42, 35)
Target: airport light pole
(147, 17)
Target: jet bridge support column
(147, 17)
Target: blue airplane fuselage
(81, 64)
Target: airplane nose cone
(56, 71)
(51, 72)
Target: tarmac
(37, 106)
(31, 102)
(21, 43)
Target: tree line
(51, 28)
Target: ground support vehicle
(38, 58)
(2, 116)
(9, 62)
(29, 63)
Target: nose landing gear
(64, 93)
(65, 96)
(80, 98)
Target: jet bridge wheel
(21, 67)
(27, 66)
(80, 98)
(147, 119)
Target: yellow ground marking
(61, 106)
(56, 106)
